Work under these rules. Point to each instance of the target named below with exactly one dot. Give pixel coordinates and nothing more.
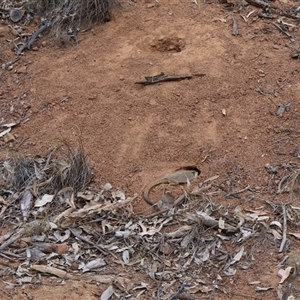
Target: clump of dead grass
(69, 16)
(47, 175)
(18, 172)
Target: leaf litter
(54, 223)
(48, 202)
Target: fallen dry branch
(162, 77)
(259, 3)
(65, 275)
(283, 31)
(32, 39)
(54, 271)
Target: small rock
(279, 256)
(22, 70)
(61, 248)
(4, 30)
(150, 5)
(44, 43)
(276, 47)
(74, 265)
(9, 138)
(152, 102)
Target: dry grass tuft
(45, 175)
(67, 17)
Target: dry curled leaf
(238, 256)
(44, 200)
(286, 274)
(294, 234)
(107, 293)
(94, 264)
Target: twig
(259, 3)
(14, 238)
(20, 144)
(235, 30)
(273, 101)
(281, 182)
(233, 194)
(283, 31)
(87, 241)
(290, 16)
(10, 254)
(9, 63)
(162, 77)
(33, 38)
(284, 229)
(259, 90)
(4, 255)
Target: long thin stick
(284, 229)
(233, 194)
(284, 32)
(33, 38)
(162, 77)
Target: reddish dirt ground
(133, 134)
